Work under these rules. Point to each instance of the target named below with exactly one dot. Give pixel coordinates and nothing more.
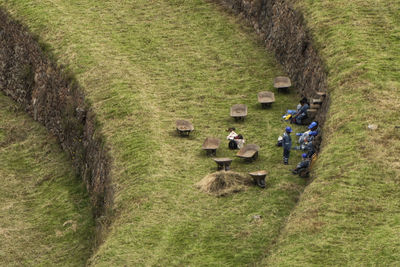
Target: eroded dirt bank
(53, 98)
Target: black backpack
(232, 144)
(279, 143)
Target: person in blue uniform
(302, 112)
(304, 164)
(287, 145)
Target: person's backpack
(232, 144)
(280, 141)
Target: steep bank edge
(283, 30)
(53, 98)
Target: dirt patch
(224, 183)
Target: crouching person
(302, 165)
(287, 145)
(301, 114)
(239, 141)
(231, 137)
(306, 141)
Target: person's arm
(305, 108)
(304, 164)
(231, 135)
(299, 111)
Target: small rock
(373, 127)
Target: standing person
(287, 144)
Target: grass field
(349, 214)
(144, 64)
(45, 215)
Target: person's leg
(286, 153)
(298, 167)
(299, 118)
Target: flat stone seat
(259, 177)
(248, 152)
(184, 127)
(266, 98)
(223, 163)
(282, 82)
(316, 101)
(315, 106)
(211, 145)
(239, 111)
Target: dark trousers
(300, 117)
(286, 154)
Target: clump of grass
(224, 183)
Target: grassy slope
(45, 216)
(349, 214)
(145, 64)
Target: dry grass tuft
(224, 183)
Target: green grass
(349, 214)
(45, 215)
(144, 64)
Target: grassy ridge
(45, 216)
(349, 214)
(145, 64)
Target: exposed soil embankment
(54, 99)
(284, 31)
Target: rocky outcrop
(53, 98)
(284, 32)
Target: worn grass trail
(145, 64)
(349, 214)
(45, 215)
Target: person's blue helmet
(313, 133)
(312, 125)
(288, 129)
(304, 155)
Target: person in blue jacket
(314, 127)
(306, 140)
(304, 164)
(287, 145)
(302, 112)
